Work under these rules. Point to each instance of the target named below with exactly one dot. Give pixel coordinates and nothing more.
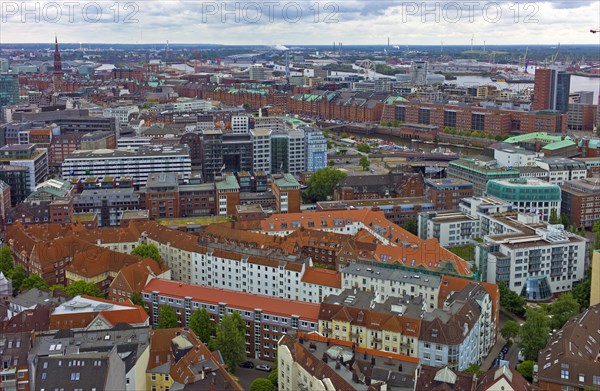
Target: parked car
(495, 362)
(247, 364)
(521, 356)
(266, 368)
(504, 349)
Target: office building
(240, 124)
(9, 91)
(478, 171)
(261, 150)
(445, 194)
(418, 72)
(315, 149)
(288, 196)
(561, 169)
(137, 164)
(551, 90)
(527, 195)
(28, 156)
(287, 152)
(107, 204)
(18, 180)
(257, 72)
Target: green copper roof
(559, 144)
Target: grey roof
(411, 307)
(35, 297)
(162, 179)
(158, 151)
(431, 281)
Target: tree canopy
(511, 301)
(510, 329)
(562, 309)
(167, 318)
(526, 369)
(474, 369)
(6, 260)
(364, 162)
(322, 183)
(411, 226)
(136, 299)
(261, 384)
(231, 342)
(33, 281)
(581, 291)
(201, 325)
(534, 332)
(364, 148)
(83, 288)
(147, 251)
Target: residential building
(497, 378)
(392, 283)
(261, 150)
(240, 124)
(109, 205)
(445, 194)
(133, 278)
(450, 228)
(528, 195)
(14, 349)
(570, 359)
(27, 155)
(161, 195)
(121, 113)
(90, 313)
(34, 298)
(122, 163)
(308, 361)
(373, 321)
(315, 147)
(535, 259)
(288, 196)
(595, 279)
(580, 201)
(179, 360)
(5, 200)
(98, 140)
(478, 171)
(267, 318)
(391, 185)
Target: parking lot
(247, 375)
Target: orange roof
(238, 300)
(133, 316)
(40, 132)
(321, 276)
(136, 274)
(95, 260)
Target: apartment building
(535, 259)
(580, 201)
(123, 163)
(28, 156)
(267, 318)
(478, 171)
(445, 194)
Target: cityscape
(295, 196)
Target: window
(75, 376)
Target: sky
(315, 22)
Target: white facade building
(121, 113)
(261, 147)
(240, 124)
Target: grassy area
(206, 220)
(466, 252)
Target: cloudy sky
(272, 22)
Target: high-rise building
(9, 91)
(418, 72)
(257, 72)
(261, 144)
(551, 90)
(316, 150)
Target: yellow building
(595, 286)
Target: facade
(595, 287)
(551, 90)
(240, 124)
(479, 171)
(534, 259)
(570, 359)
(392, 185)
(580, 201)
(27, 155)
(450, 228)
(108, 204)
(9, 92)
(287, 152)
(527, 195)
(261, 153)
(315, 149)
(267, 318)
(5, 200)
(562, 169)
(445, 194)
(14, 348)
(125, 163)
(288, 195)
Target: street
(511, 356)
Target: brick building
(446, 193)
(288, 195)
(579, 201)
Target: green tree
(510, 300)
(274, 377)
(564, 308)
(331, 163)
(201, 325)
(240, 324)
(564, 219)
(261, 384)
(83, 288)
(554, 219)
(6, 260)
(33, 281)
(231, 343)
(136, 299)
(581, 291)
(364, 162)
(534, 332)
(146, 251)
(596, 230)
(167, 318)
(364, 148)
(17, 276)
(411, 226)
(473, 369)
(526, 369)
(510, 330)
(321, 184)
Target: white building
(534, 259)
(240, 124)
(450, 228)
(392, 282)
(561, 169)
(121, 113)
(296, 152)
(133, 142)
(508, 155)
(316, 150)
(134, 163)
(261, 148)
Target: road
(511, 356)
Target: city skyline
(301, 22)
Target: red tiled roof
(238, 300)
(321, 276)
